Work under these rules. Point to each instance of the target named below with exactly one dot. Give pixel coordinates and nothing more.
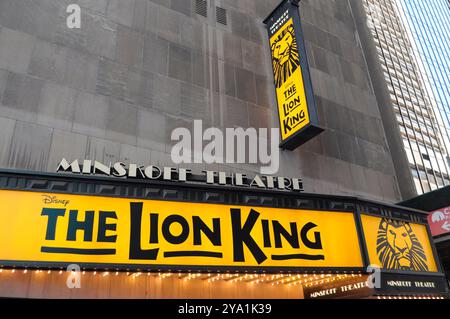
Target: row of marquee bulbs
(307, 280)
(410, 297)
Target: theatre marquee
(51, 221)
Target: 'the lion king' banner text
(105, 231)
(398, 245)
(296, 106)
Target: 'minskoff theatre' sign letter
(296, 106)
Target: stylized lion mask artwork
(398, 246)
(285, 57)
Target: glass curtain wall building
(428, 27)
(419, 126)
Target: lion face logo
(398, 246)
(285, 57)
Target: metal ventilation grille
(201, 7)
(221, 15)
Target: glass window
(418, 186)
(426, 186)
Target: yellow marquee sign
(398, 245)
(60, 228)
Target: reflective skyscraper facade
(421, 126)
(428, 27)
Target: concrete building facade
(136, 69)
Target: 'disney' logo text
(47, 199)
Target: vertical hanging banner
(297, 109)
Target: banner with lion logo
(291, 97)
(398, 245)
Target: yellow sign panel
(292, 105)
(394, 244)
(43, 227)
